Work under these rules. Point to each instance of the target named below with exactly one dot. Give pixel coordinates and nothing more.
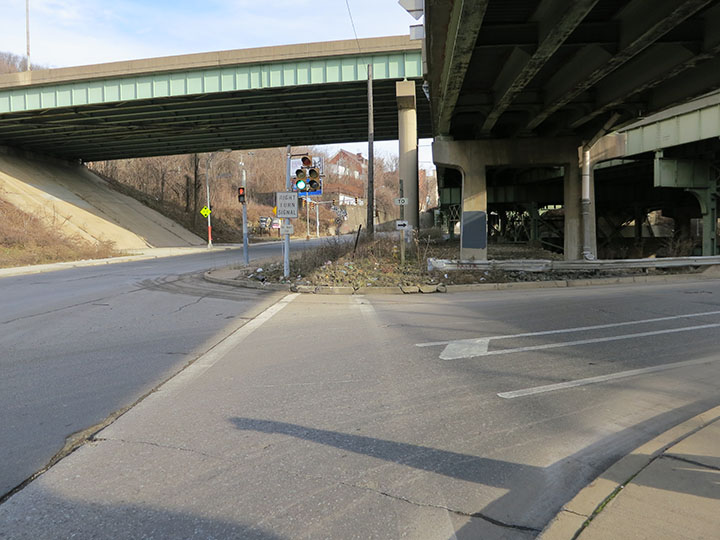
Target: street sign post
(287, 204)
(287, 228)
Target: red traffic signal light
(241, 195)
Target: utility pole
(371, 158)
(27, 32)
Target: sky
(80, 32)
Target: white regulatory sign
(287, 228)
(401, 224)
(287, 204)
(401, 201)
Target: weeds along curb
(442, 288)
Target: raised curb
(710, 273)
(579, 512)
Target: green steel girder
(301, 101)
(228, 79)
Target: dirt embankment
(78, 204)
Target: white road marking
(601, 378)
(364, 305)
(210, 358)
(451, 354)
(467, 348)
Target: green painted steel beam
(695, 121)
(197, 82)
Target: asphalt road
(78, 345)
(424, 416)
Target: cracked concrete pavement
(272, 434)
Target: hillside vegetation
(26, 240)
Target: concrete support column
(571, 205)
(407, 136)
(465, 156)
(472, 158)
(473, 227)
(710, 227)
(709, 208)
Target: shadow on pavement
(534, 494)
(41, 515)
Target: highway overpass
(526, 84)
(252, 98)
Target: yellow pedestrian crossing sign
(205, 211)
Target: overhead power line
(347, 3)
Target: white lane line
(210, 358)
(466, 350)
(601, 378)
(579, 328)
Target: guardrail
(546, 265)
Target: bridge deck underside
(302, 115)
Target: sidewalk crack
(479, 515)
(156, 445)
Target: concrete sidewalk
(668, 489)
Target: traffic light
(241, 195)
(307, 176)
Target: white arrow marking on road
(470, 352)
(465, 348)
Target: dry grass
(26, 240)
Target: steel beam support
(465, 21)
(556, 30)
(658, 20)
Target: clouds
(78, 32)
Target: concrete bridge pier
(407, 139)
(471, 158)
(707, 197)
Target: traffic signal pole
(286, 240)
(307, 216)
(246, 253)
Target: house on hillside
(347, 166)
